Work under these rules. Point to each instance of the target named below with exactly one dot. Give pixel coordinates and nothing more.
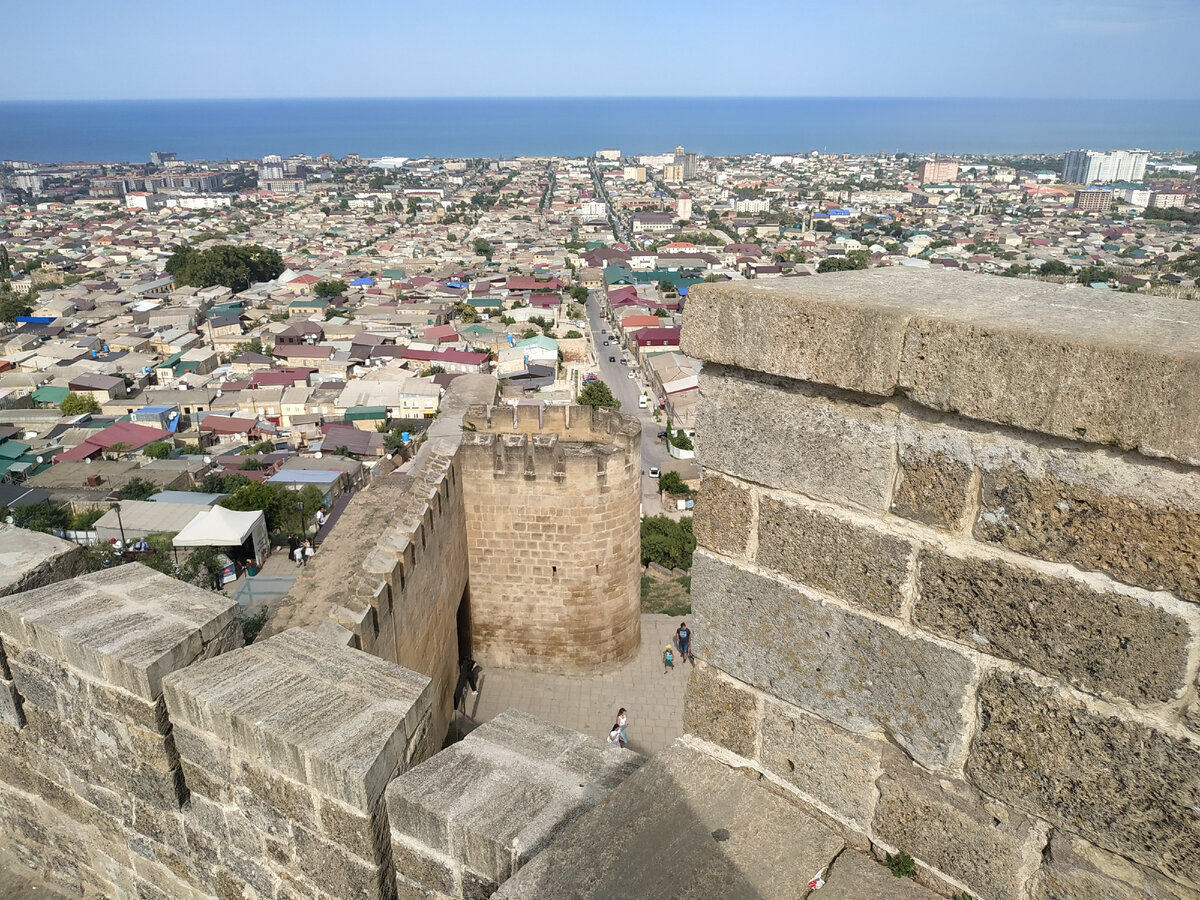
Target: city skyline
(1063, 50)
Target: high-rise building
(161, 157)
(611, 154)
(937, 171)
(673, 173)
(1088, 166)
(689, 162)
(1093, 200)
(683, 206)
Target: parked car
(606, 343)
(654, 471)
(612, 359)
(662, 435)
(632, 375)
(624, 361)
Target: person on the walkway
(683, 635)
(468, 676)
(306, 552)
(320, 518)
(293, 546)
(668, 659)
(614, 736)
(141, 546)
(621, 720)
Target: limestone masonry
(946, 602)
(946, 591)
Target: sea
(489, 127)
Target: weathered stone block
(787, 435)
(423, 868)
(722, 710)
(936, 473)
(489, 808)
(683, 826)
(854, 671)
(724, 515)
(1099, 641)
(1124, 786)
(334, 871)
(10, 705)
(284, 701)
(864, 566)
(855, 876)
(829, 764)
(32, 559)
(1075, 870)
(1040, 357)
(947, 825)
(1136, 520)
(128, 626)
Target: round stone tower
(552, 501)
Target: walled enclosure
(553, 535)
(948, 584)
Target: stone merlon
(1104, 368)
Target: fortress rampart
(946, 602)
(948, 584)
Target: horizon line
(608, 97)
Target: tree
(578, 292)
(572, 334)
(667, 542)
(137, 489)
(78, 404)
(482, 247)
(666, 286)
(1054, 267)
(12, 306)
(330, 287)
(42, 516)
(673, 484)
(157, 450)
(224, 264)
(467, 313)
(680, 440)
(5, 263)
(855, 259)
(598, 394)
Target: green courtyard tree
(137, 489)
(330, 287)
(11, 306)
(598, 394)
(483, 247)
(78, 404)
(234, 267)
(157, 450)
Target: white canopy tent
(221, 527)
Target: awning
(220, 527)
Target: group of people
(299, 550)
(683, 637)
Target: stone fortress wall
(948, 585)
(553, 535)
(946, 601)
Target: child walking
(668, 659)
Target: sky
(136, 49)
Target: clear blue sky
(136, 49)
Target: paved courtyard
(589, 703)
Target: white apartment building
(752, 206)
(1088, 166)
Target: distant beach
(465, 127)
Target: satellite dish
(88, 460)
(41, 459)
(318, 454)
(218, 392)
(208, 459)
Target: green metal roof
(359, 413)
(52, 396)
(540, 341)
(13, 449)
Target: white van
(642, 402)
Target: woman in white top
(614, 736)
